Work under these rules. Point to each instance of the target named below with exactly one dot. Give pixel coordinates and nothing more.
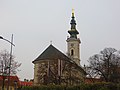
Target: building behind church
(54, 67)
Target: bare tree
(5, 61)
(105, 65)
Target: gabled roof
(51, 53)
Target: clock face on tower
(72, 44)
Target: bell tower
(73, 42)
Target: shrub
(93, 86)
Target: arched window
(72, 52)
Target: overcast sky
(35, 23)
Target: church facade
(54, 67)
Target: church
(54, 67)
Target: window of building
(72, 52)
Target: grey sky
(35, 23)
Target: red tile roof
(13, 79)
(25, 83)
(92, 80)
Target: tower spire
(73, 32)
(73, 22)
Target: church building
(54, 67)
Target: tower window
(72, 52)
